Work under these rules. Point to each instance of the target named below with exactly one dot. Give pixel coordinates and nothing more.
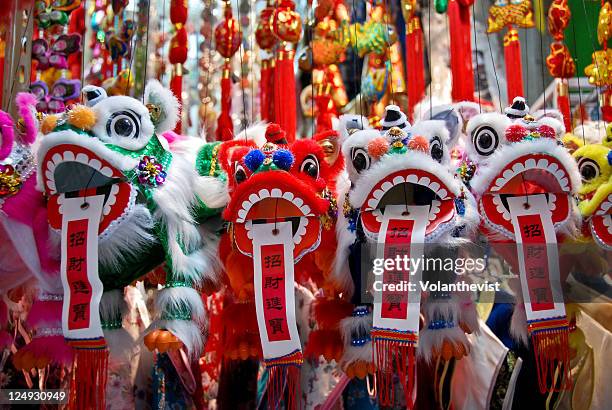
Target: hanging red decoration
(509, 14)
(287, 27)
(178, 51)
(266, 41)
(598, 73)
(227, 41)
(461, 49)
(415, 66)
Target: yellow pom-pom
(48, 124)
(82, 117)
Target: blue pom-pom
(610, 157)
(283, 159)
(254, 159)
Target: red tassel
(415, 69)
(394, 357)
(176, 86)
(265, 92)
(514, 69)
(606, 106)
(284, 93)
(551, 348)
(563, 104)
(89, 375)
(225, 126)
(460, 52)
(281, 377)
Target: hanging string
(542, 54)
(359, 96)
(385, 22)
(163, 31)
(579, 88)
(586, 17)
(146, 59)
(493, 63)
(429, 59)
(132, 54)
(310, 40)
(252, 60)
(477, 69)
(240, 54)
(14, 77)
(84, 5)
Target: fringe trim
(89, 374)
(550, 341)
(394, 352)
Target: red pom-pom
(178, 47)
(419, 143)
(276, 135)
(378, 147)
(178, 12)
(516, 133)
(546, 131)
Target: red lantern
(228, 35)
(286, 22)
(178, 50)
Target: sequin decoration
(150, 172)
(10, 180)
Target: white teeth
(607, 221)
(107, 172)
(442, 193)
(424, 181)
(508, 174)
(112, 198)
(543, 163)
(500, 207)
(564, 183)
(49, 175)
(242, 215)
(553, 168)
(377, 214)
(264, 193)
(51, 186)
(94, 163)
(301, 231)
(387, 186)
(412, 179)
(68, 156)
(276, 193)
(398, 180)
(57, 158)
(305, 209)
(373, 203)
(253, 198)
(298, 202)
(434, 186)
(82, 158)
(530, 163)
(518, 167)
(378, 194)
(435, 208)
(248, 225)
(288, 196)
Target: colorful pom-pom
(254, 159)
(610, 157)
(419, 143)
(283, 159)
(546, 131)
(378, 147)
(48, 124)
(516, 133)
(82, 117)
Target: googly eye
(310, 166)
(239, 173)
(435, 149)
(360, 159)
(589, 169)
(123, 124)
(485, 140)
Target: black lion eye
(589, 169)
(240, 174)
(310, 166)
(123, 124)
(485, 140)
(360, 159)
(436, 150)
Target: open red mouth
(276, 196)
(409, 187)
(71, 171)
(601, 223)
(526, 175)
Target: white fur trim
(518, 325)
(255, 133)
(498, 122)
(435, 128)
(112, 305)
(434, 338)
(362, 324)
(157, 94)
(178, 298)
(213, 192)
